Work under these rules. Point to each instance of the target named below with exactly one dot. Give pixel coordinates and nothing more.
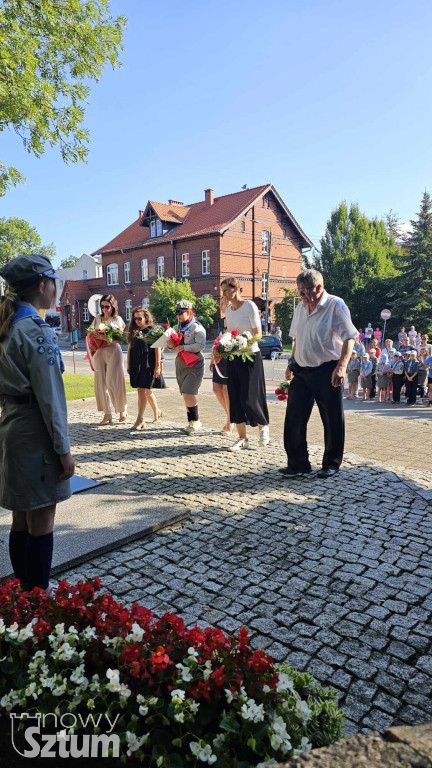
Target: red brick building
(249, 234)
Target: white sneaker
(264, 436)
(193, 427)
(240, 445)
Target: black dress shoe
(326, 472)
(293, 473)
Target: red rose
(234, 333)
(278, 391)
(281, 397)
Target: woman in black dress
(143, 365)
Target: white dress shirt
(319, 335)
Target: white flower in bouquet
(248, 335)
(242, 342)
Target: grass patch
(80, 385)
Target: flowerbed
(178, 696)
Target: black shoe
(293, 473)
(326, 472)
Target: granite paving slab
(98, 520)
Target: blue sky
(327, 100)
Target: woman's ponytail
(8, 310)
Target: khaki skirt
(189, 379)
(29, 467)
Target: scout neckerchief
(183, 327)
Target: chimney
(175, 202)
(209, 196)
(140, 214)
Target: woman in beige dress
(109, 380)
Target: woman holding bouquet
(246, 383)
(188, 343)
(109, 380)
(143, 365)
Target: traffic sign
(385, 314)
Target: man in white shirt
(323, 341)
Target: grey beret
(182, 305)
(27, 269)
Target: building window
(85, 314)
(144, 269)
(243, 226)
(61, 285)
(126, 270)
(160, 266)
(84, 274)
(266, 202)
(158, 227)
(128, 309)
(112, 274)
(145, 303)
(284, 234)
(153, 228)
(264, 284)
(206, 296)
(185, 265)
(265, 241)
(205, 262)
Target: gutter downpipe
(253, 253)
(174, 259)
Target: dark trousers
(411, 390)
(307, 386)
(397, 386)
(373, 388)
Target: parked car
(269, 345)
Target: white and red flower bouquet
(231, 344)
(282, 390)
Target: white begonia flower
(230, 696)
(185, 672)
(252, 711)
(136, 634)
(113, 686)
(206, 755)
(89, 633)
(276, 741)
(30, 690)
(304, 746)
(124, 691)
(39, 655)
(140, 698)
(179, 694)
(284, 683)
(72, 630)
(194, 707)
(13, 631)
(194, 747)
(64, 652)
(219, 740)
(114, 641)
(179, 717)
(2, 627)
(192, 652)
(90, 704)
(59, 690)
(25, 633)
(143, 710)
(153, 701)
(303, 711)
(77, 674)
(135, 742)
(59, 628)
(113, 674)
(286, 746)
(243, 692)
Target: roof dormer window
(158, 227)
(153, 228)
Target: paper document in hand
(162, 340)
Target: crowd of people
(384, 373)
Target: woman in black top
(143, 365)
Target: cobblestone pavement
(333, 576)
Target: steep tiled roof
(200, 219)
(174, 213)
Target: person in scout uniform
(411, 377)
(35, 458)
(189, 374)
(397, 367)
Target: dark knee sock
(192, 413)
(39, 557)
(18, 554)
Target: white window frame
(128, 309)
(112, 274)
(284, 234)
(160, 266)
(264, 285)
(85, 314)
(206, 296)
(243, 226)
(144, 270)
(265, 240)
(205, 262)
(126, 271)
(145, 303)
(185, 265)
(153, 228)
(158, 228)
(84, 277)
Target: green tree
(168, 291)
(70, 261)
(49, 51)
(284, 312)
(412, 289)
(18, 236)
(357, 261)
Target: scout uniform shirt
(30, 364)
